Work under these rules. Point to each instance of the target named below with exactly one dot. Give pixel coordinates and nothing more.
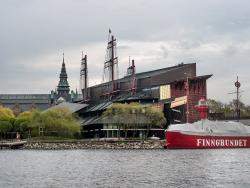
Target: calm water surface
(125, 168)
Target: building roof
(160, 71)
(24, 96)
(136, 97)
(92, 120)
(100, 106)
(150, 73)
(195, 78)
(73, 107)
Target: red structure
(207, 134)
(194, 88)
(131, 73)
(203, 108)
(178, 140)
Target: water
(125, 168)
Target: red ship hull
(179, 140)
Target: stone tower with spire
(63, 85)
(62, 93)
(63, 89)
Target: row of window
(42, 96)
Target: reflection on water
(125, 168)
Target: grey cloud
(33, 28)
(189, 44)
(123, 47)
(164, 52)
(230, 51)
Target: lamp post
(237, 85)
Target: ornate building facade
(24, 102)
(62, 93)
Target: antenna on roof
(237, 84)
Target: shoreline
(65, 145)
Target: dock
(12, 144)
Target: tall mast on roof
(131, 73)
(111, 64)
(84, 77)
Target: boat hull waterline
(180, 140)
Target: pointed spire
(63, 69)
(63, 58)
(63, 85)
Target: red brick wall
(178, 89)
(197, 90)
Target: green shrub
(6, 112)
(55, 122)
(5, 126)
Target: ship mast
(84, 77)
(111, 65)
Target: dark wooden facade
(148, 84)
(144, 81)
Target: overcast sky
(158, 33)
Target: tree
(6, 112)
(229, 110)
(7, 119)
(57, 122)
(134, 116)
(23, 123)
(215, 106)
(155, 118)
(137, 116)
(117, 114)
